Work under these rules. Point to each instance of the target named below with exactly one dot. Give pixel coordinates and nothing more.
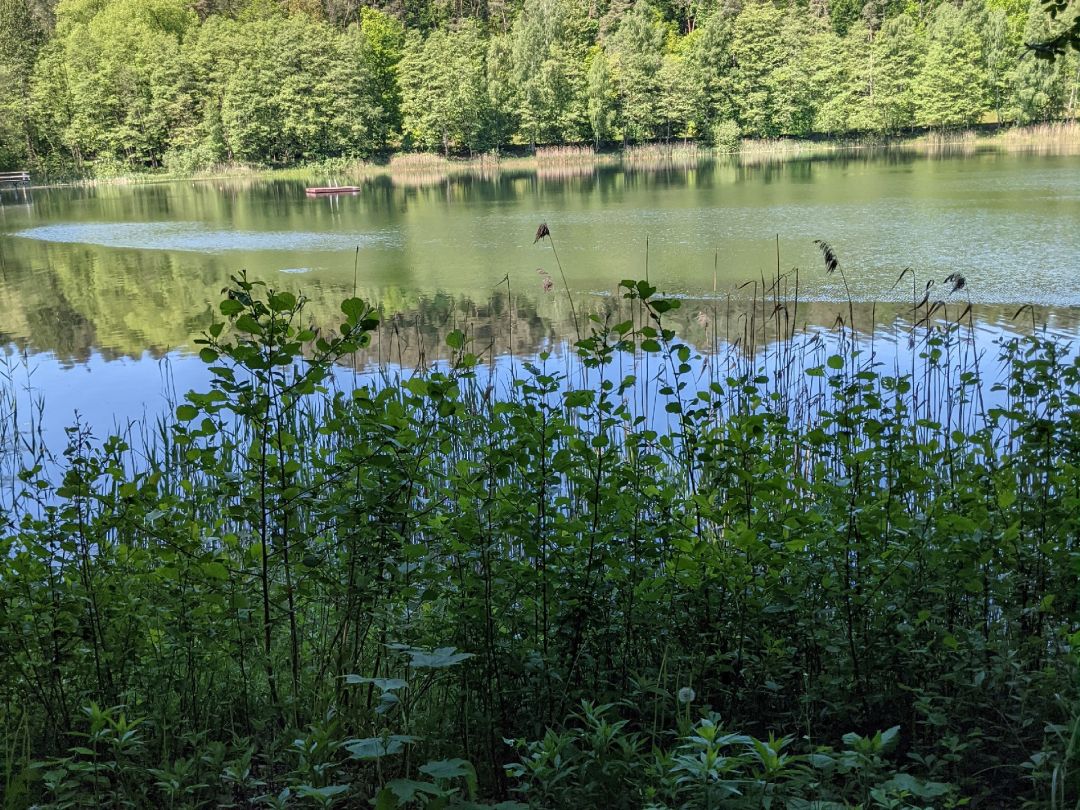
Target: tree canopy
(191, 84)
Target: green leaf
(377, 747)
(208, 355)
(385, 684)
(889, 737)
(437, 659)
(185, 413)
(386, 800)
(916, 787)
(246, 323)
(406, 790)
(456, 339)
(354, 309)
(579, 399)
(447, 768)
(282, 301)
(229, 307)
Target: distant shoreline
(1053, 138)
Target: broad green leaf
(376, 747)
(447, 768)
(354, 309)
(185, 413)
(916, 787)
(436, 659)
(385, 684)
(282, 301)
(406, 790)
(230, 307)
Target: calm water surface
(99, 284)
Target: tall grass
(1062, 137)
(663, 155)
(561, 155)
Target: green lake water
(99, 283)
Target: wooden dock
(19, 181)
(16, 179)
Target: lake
(104, 288)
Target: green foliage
(122, 85)
(726, 135)
(549, 46)
(596, 761)
(386, 40)
(951, 89)
(601, 96)
(307, 596)
(636, 53)
(22, 35)
(899, 52)
(444, 89)
(760, 53)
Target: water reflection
(133, 272)
(192, 236)
(113, 393)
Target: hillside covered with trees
(192, 83)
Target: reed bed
(418, 162)
(563, 155)
(1058, 138)
(680, 154)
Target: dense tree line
(190, 83)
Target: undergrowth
(801, 577)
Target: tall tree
(502, 90)
(951, 88)
(831, 65)
(757, 55)
(675, 108)
(293, 89)
(550, 40)
(444, 98)
(601, 96)
(1002, 52)
(1040, 84)
(636, 50)
(121, 62)
(22, 36)
(385, 36)
(708, 65)
(898, 53)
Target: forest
(114, 86)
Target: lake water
(99, 285)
